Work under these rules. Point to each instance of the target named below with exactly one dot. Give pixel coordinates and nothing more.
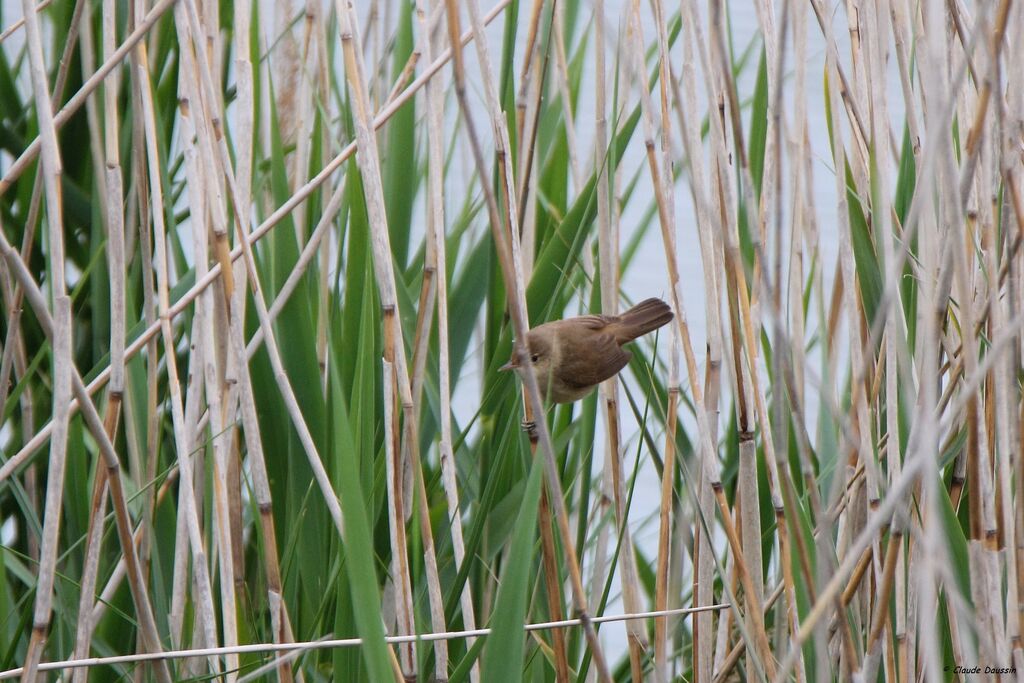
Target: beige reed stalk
(188, 505)
(147, 443)
(92, 421)
(434, 100)
(788, 369)
(932, 310)
(204, 350)
(279, 615)
(66, 377)
(515, 292)
(514, 207)
(662, 581)
(561, 76)
(1009, 113)
(421, 346)
(398, 391)
(607, 241)
(631, 590)
(664, 563)
(109, 177)
(877, 36)
(528, 107)
(666, 222)
(242, 139)
(222, 163)
(743, 308)
(802, 221)
(710, 253)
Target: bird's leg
(530, 427)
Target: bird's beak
(511, 365)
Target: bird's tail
(646, 316)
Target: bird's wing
(588, 359)
(594, 322)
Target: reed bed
(261, 263)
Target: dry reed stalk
(895, 496)
(527, 112)
(206, 625)
(528, 109)
(1009, 113)
(724, 79)
(67, 379)
(182, 582)
(552, 586)
(209, 221)
(847, 94)
(315, 10)
(733, 657)
(15, 356)
(294, 57)
(856, 443)
(514, 203)
(561, 77)
(398, 390)
(666, 82)
(209, 380)
(242, 138)
(399, 568)
(117, 575)
(1003, 396)
(141, 204)
(187, 22)
(436, 229)
(435, 598)
(901, 31)
(636, 637)
(55, 481)
(90, 569)
(153, 328)
(802, 228)
(981, 493)
(664, 563)
(932, 309)
(725, 623)
(435, 245)
(280, 623)
(893, 328)
(515, 291)
(607, 246)
(880, 616)
(687, 113)
(114, 224)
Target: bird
(571, 357)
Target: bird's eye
(534, 358)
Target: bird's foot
(530, 427)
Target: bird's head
(538, 342)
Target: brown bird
(570, 357)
